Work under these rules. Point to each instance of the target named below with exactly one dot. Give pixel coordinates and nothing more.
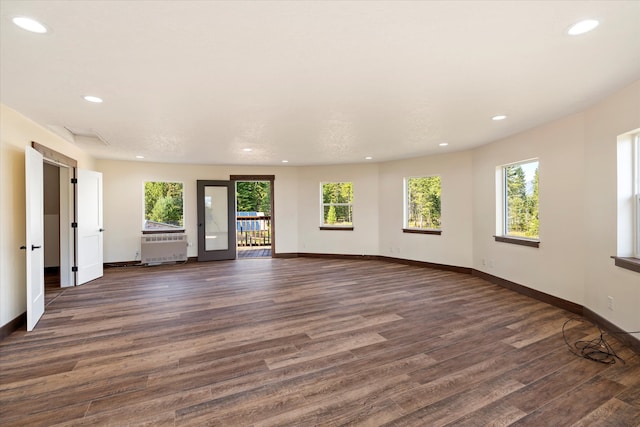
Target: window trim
(325, 226)
(405, 219)
(628, 201)
(522, 241)
(635, 146)
(502, 208)
(627, 263)
(434, 231)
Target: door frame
(216, 254)
(271, 179)
(68, 243)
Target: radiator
(163, 247)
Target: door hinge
(74, 180)
(74, 225)
(74, 269)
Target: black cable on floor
(597, 349)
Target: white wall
(454, 245)
(556, 267)
(363, 239)
(618, 114)
(16, 133)
(577, 207)
(124, 201)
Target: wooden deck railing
(253, 230)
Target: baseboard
(284, 255)
(424, 264)
(13, 326)
(540, 296)
(621, 335)
(333, 256)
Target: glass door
(216, 220)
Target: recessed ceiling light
(29, 24)
(368, 158)
(93, 99)
(139, 157)
(582, 27)
(499, 117)
(247, 149)
(443, 144)
(285, 161)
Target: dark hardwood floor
(307, 342)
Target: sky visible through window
(529, 170)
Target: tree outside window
(253, 196)
(163, 205)
(337, 204)
(521, 200)
(423, 203)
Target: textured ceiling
(309, 82)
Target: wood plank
(306, 341)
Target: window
(628, 209)
(337, 205)
(636, 190)
(422, 203)
(518, 210)
(163, 206)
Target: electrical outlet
(137, 255)
(610, 302)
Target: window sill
(422, 231)
(346, 228)
(518, 241)
(163, 231)
(628, 263)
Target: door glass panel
(216, 215)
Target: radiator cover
(163, 247)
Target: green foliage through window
(521, 200)
(163, 205)
(253, 196)
(423, 202)
(337, 203)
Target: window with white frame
(337, 204)
(636, 193)
(628, 208)
(163, 206)
(517, 216)
(422, 203)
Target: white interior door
(34, 236)
(90, 225)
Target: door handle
(101, 230)
(23, 248)
(33, 247)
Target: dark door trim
(221, 254)
(271, 179)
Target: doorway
(74, 196)
(51, 186)
(58, 215)
(254, 216)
